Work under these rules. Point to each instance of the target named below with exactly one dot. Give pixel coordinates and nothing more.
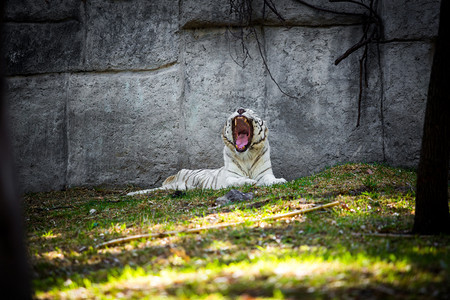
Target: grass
(358, 249)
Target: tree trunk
(14, 269)
(432, 210)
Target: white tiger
(246, 156)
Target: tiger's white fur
(248, 164)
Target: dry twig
(220, 226)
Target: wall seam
(259, 24)
(40, 22)
(110, 71)
(183, 160)
(84, 19)
(66, 130)
(380, 65)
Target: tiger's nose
(241, 111)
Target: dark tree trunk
(432, 210)
(14, 279)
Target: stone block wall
(116, 92)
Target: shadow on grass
(280, 259)
(324, 254)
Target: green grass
(358, 249)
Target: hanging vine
(243, 12)
(371, 22)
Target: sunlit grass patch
(357, 249)
(299, 271)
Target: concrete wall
(121, 92)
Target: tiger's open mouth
(242, 133)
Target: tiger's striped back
(191, 179)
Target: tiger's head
(244, 130)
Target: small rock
(92, 211)
(234, 196)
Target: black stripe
(224, 137)
(201, 184)
(217, 177)
(240, 175)
(195, 172)
(239, 166)
(228, 154)
(259, 157)
(236, 163)
(210, 178)
(260, 129)
(208, 181)
(195, 180)
(188, 176)
(181, 178)
(261, 140)
(262, 173)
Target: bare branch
(220, 226)
(326, 9)
(371, 28)
(267, 67)
(272, 7)
(369, 8)
(243, 10)
(351, 50)
(362, 67)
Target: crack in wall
(107, 71)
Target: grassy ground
(358, 249)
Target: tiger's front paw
(247, 181)
(279, 180)
(240, 181)
(270, 179)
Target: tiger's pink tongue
(242, 141)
